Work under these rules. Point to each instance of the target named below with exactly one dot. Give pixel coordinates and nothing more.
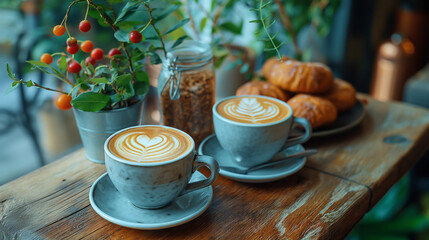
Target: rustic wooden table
(324, 200)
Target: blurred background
(379, 46)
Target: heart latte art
(149, 144)
(253, 110)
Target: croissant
(342, 95)
(298, 77)
(318, 111)
(262, 88)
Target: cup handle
(211, 163)
(300, 139)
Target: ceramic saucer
(210, 146)
(110, 205)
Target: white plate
(210, 146)
(112, 206)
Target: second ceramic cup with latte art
(151, 165)
(255, 128)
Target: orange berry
(86, 46)
(59, 30)
(63, 102)
(46, 58)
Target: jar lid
(191, 52)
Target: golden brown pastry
(262, 88)
(342, 95)
(318, 111)
(298, 77)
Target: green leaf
(102, 70)
(84, 86)
(30, 83)
(125, 11)
(141, 88)
(142, 76)
(122, 36)
(167, 12)
(127, 25)
(12, 87)
(177, 26)
(123, 80)
(115, 1)
(203, 24)
(90, 101)
(213, 5)
(231, 27)
(63, 64)
(9, 72)
(99, 80)
(43, 66)
(179, 41)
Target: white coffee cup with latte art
(254, 128)
(151, 165)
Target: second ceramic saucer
(110, 205)
(210, 146)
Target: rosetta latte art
(141, 147)
(252, 110)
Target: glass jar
(186, 89)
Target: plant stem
(39, 86)
(115, 29)
(261, 17)
(287, 24)
(155, 28)
(67, 15)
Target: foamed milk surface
(149, 144)
(253, 110)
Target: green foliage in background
(290, 17)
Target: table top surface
(324, 200)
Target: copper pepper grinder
(393, 66)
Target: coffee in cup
(254, 128)
(151, 165)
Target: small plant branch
(67, 14)
(87, 10)
(40, 86)
(155, 28)
(113, 86)
(287, 24)
(114, 29)
(271, 39)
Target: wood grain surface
(324, 200)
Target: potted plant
(106, 91)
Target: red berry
(135, 36)
(74, 67)
(90, 60)
(84, 26)
(59, 30)
(73, 50)
(97, 54)
(46, 58)
(114, 51)
(86, 46)
(71, 42)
